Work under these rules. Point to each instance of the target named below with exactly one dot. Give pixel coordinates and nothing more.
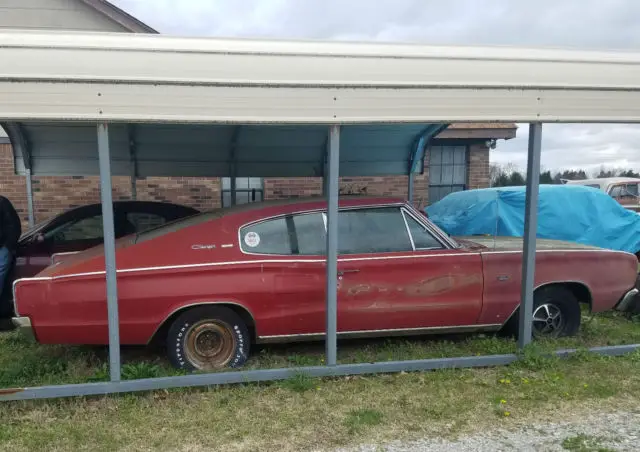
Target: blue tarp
(565, 212)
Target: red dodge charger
(214, 284)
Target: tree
(546, 177)
(516, 179)
(505, 175)
(604, 173)
(628, 173)
(569, 175)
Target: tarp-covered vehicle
(565, 212)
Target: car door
(395, 274)
(290, 249)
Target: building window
(447, 171)
(248, 189)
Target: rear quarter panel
(201, 264)
(608, 275)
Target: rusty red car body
(244, 259)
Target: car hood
(490, 243)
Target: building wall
(54, 14)
(478, 166)
(53, 194)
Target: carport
(100, 104)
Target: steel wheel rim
(209, 344)
(548, 320)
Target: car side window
(616, 191)
(372, 230)
(308, 234)
(89, 228)
(141, 221)
(301, 234)
(266, 237)
(421, 236)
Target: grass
(584, 443)
(362, 418)
(305, 413)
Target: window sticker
(252, 239)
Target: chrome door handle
(350, 270)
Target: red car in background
(81, 228)
(214, 284)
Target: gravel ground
(619, 431)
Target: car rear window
(177, 225)
(300, 234)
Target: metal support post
(30, 212)
(234, 191)
(530, 230)
(233, 165)
(109, 250)
(410, 189)
(332, 191)
(134, 188)
(134, 162)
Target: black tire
(558, 300)
(208, 338)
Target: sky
(587, 24)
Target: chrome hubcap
(547, 320)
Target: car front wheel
(556, 313)
(208, 338)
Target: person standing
(10, 231)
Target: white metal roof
(151, 78)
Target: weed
(584, 443)
(299, 382)
(357, 419)
(303, 360)
(101, 374)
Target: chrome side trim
(13, 289)
(193, 305)
(288, 261)
(563, 250)
(66, 253)
(380, 333)
(260, 261)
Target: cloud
(584, 146)
(611, 24)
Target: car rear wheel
(208, 338)
(556, 313)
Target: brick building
(457, 159)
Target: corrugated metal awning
(69, 148)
